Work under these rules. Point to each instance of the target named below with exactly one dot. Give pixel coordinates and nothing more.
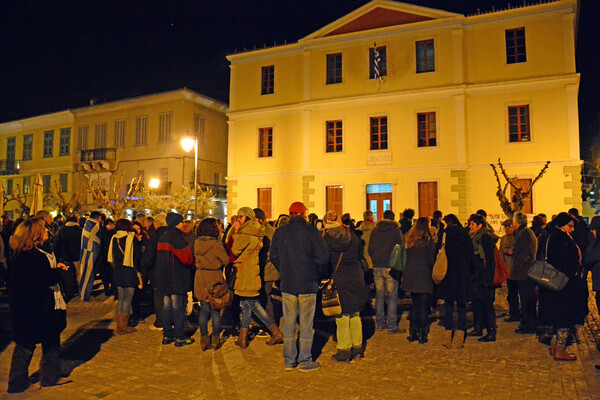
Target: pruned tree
(19, 197)
(517, 201)
(110, 198)
(182, 201)
(72, 205)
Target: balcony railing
(106, 154)
(219, 191)
(9, 167)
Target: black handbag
(330, 299)
(546, 275)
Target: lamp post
(188, 144)
(154, 184)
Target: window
(48, 143)
(120, 133)
(524, 185)
(425, 56)
(164, 127)
(46, 182)
(268, 80)
(428, 199)
(379, 133)
(426, 129)
(334, 198)
(334, 136)
(26, 184)
(264, 200)
(100, 136)
(11, 145)
(64, 183)
(382, 64)
(265, 142)
(518, 124)
(199, 123)
(164, 175)
(515, 46)
(64, 148)
(141, 126)
(334, 68)
(9, 186)
(27, 147)
(82, 133)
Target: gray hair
(520, 218)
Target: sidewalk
(137, 366)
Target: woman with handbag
(345, 253)
(565, 256)
(453, 289)
(211, 257)
(420, 255)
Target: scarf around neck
(59, 301)
(127, 252)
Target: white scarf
(59, 301)
(128, 252)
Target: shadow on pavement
(84, 344)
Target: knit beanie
(173, 219)
(247, 211)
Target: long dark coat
(349, 279)
(459, 250)
(31, 300)
(570, 304)
(419, 265)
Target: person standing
(67, 250)
(91, 248)
(406, 221)
(524, 256)
(507, 244)
(173, 261)
(156, 231)
(300, 255)
(383, 238)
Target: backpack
(219, 296)
(501, 272)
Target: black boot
(423, 336)
(476, 332)
(342, 356)
(413, 335)
(490, 337)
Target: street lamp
(188, 144)
(154, 184)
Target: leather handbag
(546, 275)
(330, 299)
(398, 258)
(441, 264)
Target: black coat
(570, 304)
(384, 237)
(349, 279)
(419, 265)
(126, 276)
(300, 255)
(483, 272)
(174, 261)
(459, 251)
(31, 300)
(592, 260)
(150, 254)
(67, 243)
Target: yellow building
(311, 121)
(137, 136)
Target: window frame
(48, 144)
(333, 78)
(64, 185)
(46, 188)
(379, 133)
(519, 133)
(141, 130)
(83, 137)
(338, 131)
(199, 128)
(64, 142)
(427, 129)
(383, 71)
(514, 46)
(267, 80)
(165, 125)
(11, 148)
(269, 142)
(27, 147)
(120, 132)
(426, 64)
(26, 187)
(100, 134)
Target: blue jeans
(386, 289)
(294, 306)
(125, 297)
(174, 316)
(215, 315)
(251, 305)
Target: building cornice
(37, 122)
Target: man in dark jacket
(384, 237)
(67, 248)
(407, 220)
(159, 227)
(581, 235)
(173, 261)
(524, 255)
(300, 255)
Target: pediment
(380, 14)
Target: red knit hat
(297, 208)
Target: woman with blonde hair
(38, 310)
(420, 255)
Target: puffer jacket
(210, 257)
(382, 241)
(247, 242)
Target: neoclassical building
(396, 105)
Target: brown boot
(204, 342)
(447, 341)
(215, 342)
(242, 339)
(561, 354)
(122, 327)
(276, 336)
(459, 339)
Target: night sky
(56, 55)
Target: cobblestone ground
(137, 366)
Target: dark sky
(56, 55)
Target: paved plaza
(102, 365)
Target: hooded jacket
(211, 257)
(384, 237)
(247, 242)
(173, 260)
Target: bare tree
(72, 205)
(516, 203)
(110, 198)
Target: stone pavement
(137, 366)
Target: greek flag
(90, 249)
(376, 63)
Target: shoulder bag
(330, 299)
(546, 275)
(441, 264)
(398, 258)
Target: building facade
(132, 137)
(395, 106)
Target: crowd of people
(234, 275)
